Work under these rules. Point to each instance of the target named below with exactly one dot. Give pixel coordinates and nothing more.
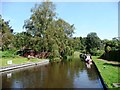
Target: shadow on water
(72, 74)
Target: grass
(108, 70)
(17, 60)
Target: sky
(99, 17)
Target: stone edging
(46, 61)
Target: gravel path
(112, 62)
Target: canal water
(73, 74)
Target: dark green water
(58, 75)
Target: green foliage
(100, 52)
(83, 51)
(51, 57)
(112, 50)
(111, 55)
(7, 54)
(22, 40)
(96, 52)
(41, 18)
(47, 33)
(6, 36)
(93, 51)
(108, 48)
(0, 54)
(56, 53)
(57, 59)
(93, 43)
(68, 50)
(111, 44)
(79, 43)
(70, 58)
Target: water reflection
(9, 75)
(60, 75)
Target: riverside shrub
(8, 53)
(111, 55)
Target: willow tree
(64, 32)
(53, 33)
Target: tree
(6, 33)
(64, 33)
(113, 44)
(41, 18)
(111, 49)
(48, 32)
(93, 43)
(40, 21)
(79, 44)
(22, 40)
(83, 45)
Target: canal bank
(102, 80)
(18, 66)
(109, 70)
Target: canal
(74, 74)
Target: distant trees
(79, 44)
(93, 43)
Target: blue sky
(99, 17)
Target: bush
(11, 53)
(111, 55)
(68, 50)
(56, 53)
(93, 51)
(0, 53)
(107, 49)
(99, 52)
(83, 51)
(96, 52)
(56, 59)
(69, 58)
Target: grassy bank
(108, 70)
(17, 60)
(22, 60)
